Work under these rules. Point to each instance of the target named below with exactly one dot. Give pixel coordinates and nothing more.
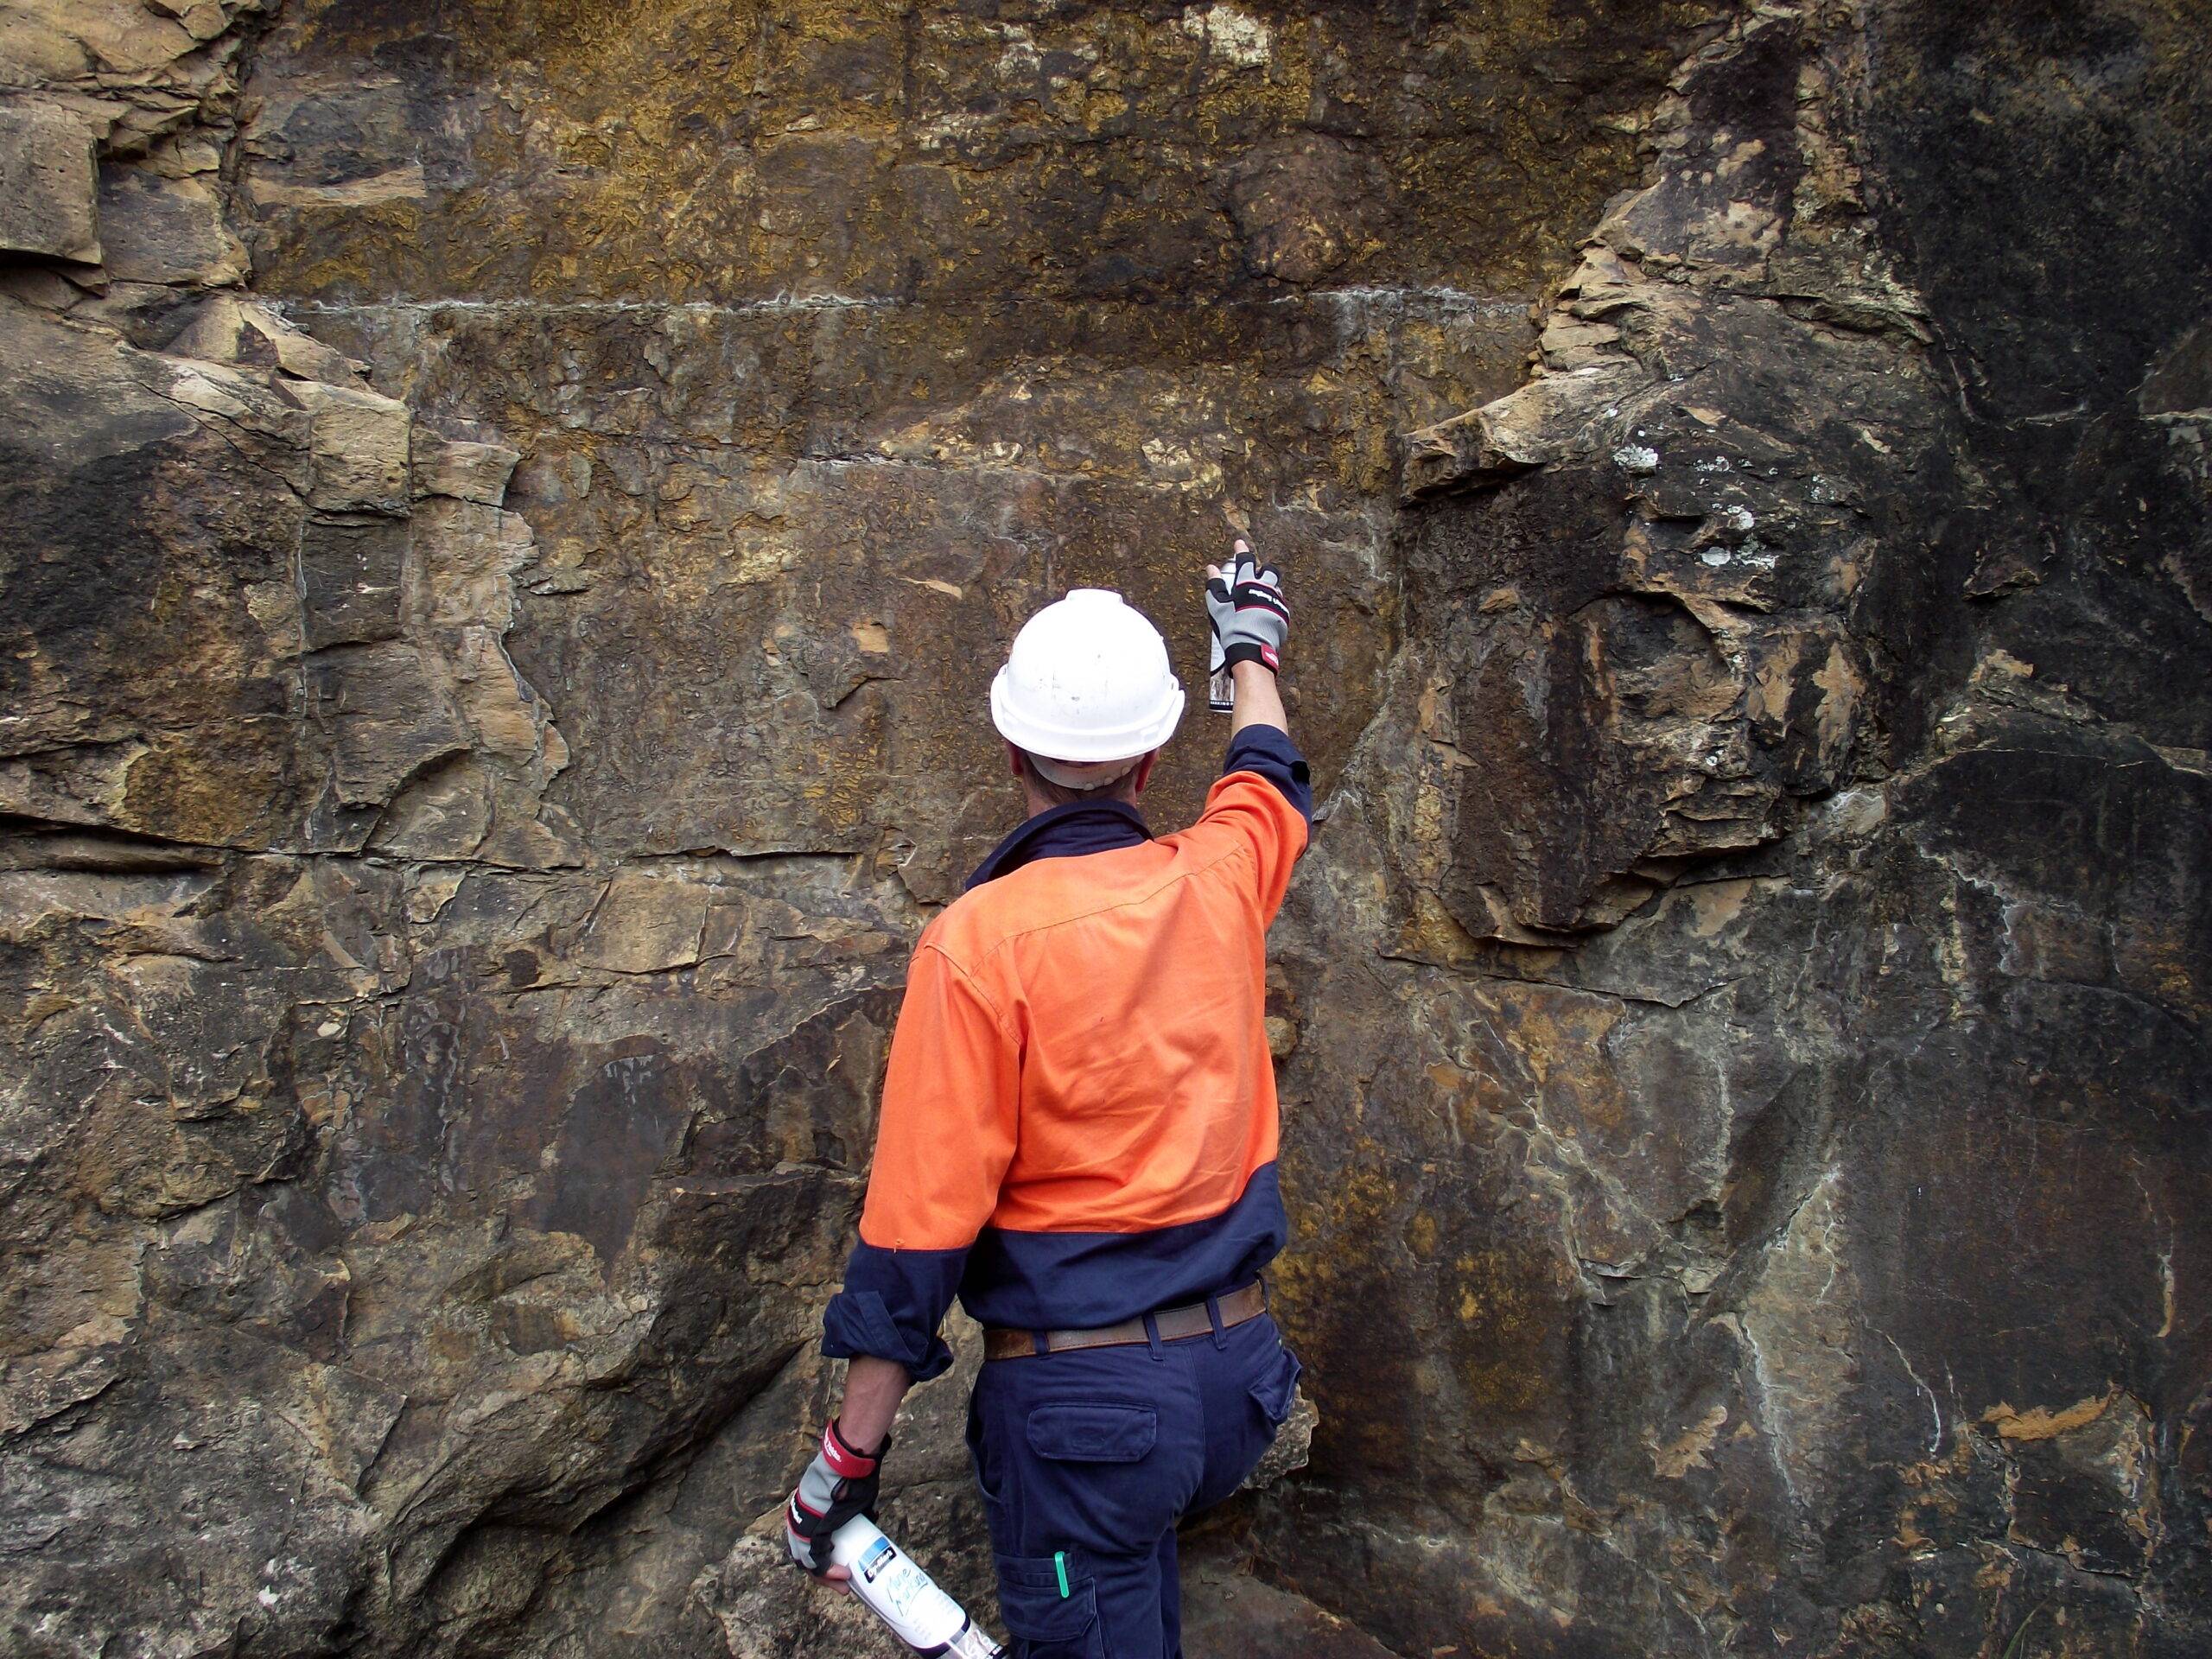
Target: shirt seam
(1241, 848)
(998, 1019)
(1241, 851)
(1243, 1192)
(1304, 819)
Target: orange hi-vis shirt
(1079, 1121)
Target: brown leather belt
(1171, 1324)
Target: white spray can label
(1221, 691)
(903, 1596)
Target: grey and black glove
(837, 1485)
(1246, 611)
(1248, 615)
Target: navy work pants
(1088, 1459)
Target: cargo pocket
(1099, 1475)
(1046, 1623)
(1277, 1392)
(1071, 1433)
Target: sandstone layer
(511, 507)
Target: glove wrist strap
(844, 1462)
(1250, 650)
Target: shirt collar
(1065, 831)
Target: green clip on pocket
(1051, 1609)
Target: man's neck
(1040, 804)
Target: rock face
(510, 510)
(1757, 986)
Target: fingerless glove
(837, 1485)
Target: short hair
(1123, 788)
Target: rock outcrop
(510, 507)
(1757, 988)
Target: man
(1079, 1137)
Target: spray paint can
(904, 1597)
(1221, 692)
(1221, 686)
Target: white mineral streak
(1231, 35)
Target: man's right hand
(837, 1485)
(1246, 610)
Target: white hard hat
(1087, 681)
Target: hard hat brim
(1121, 743)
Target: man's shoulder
(954, 930)
(976, 924)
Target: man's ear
(1143, 773)
(1013, 759)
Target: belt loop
(1151, 1336)
(1043, 1340)
(1213, 1318)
